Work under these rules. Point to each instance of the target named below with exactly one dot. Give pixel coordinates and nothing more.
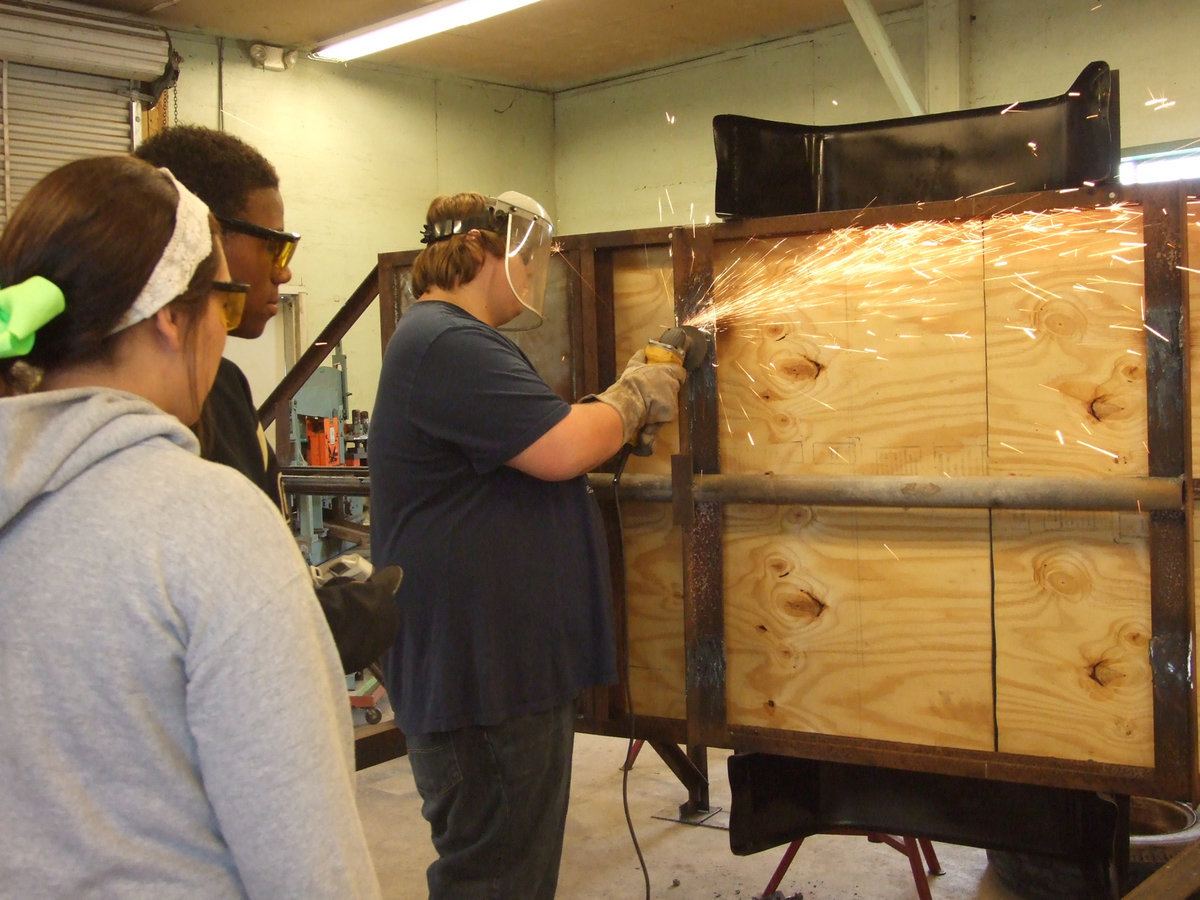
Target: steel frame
(698, 498)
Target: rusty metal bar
(275, 406)
(982, 207)
(955, 761)
(333, 481)
(911, 492)
(1164, 223)
(703, 567)
(348, 531)
(1124, 494)
(1179, 879)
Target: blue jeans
(495, 799)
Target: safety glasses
(282, 244)
(233, 301)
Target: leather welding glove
(645, 396)
(363, 616)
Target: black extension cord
(622, 458)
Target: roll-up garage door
(71, 86)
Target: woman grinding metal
(479, 491)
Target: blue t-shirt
(506, 602)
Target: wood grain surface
(1009, 346)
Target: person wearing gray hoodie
(175, 719)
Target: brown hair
(452, 261)
(95, 228)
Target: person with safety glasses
(479, 491)
(163, 768)
(241, 187)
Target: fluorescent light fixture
(412, 26)
(1155, 167)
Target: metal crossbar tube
(974, 492)
(347, 481)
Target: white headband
(190, 244)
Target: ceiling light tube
(412, 26)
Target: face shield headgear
(528, 237)
(526, 254)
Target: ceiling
(552, 45)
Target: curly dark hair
(220, 169)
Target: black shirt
(506, 604)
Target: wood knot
(1061, 319)
(804, 368)
(779, 566)
(1104, 407)
(775, 332)
(799, 603)
(1105, 672)
(1063, 577)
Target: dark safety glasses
(233, 301)
(282, 244)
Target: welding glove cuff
(646, 394)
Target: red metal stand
(909, 846)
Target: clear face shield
(526, 255)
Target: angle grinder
(684, 345)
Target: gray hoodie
(174, 717)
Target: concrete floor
(685, 862)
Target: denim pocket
(434, 765)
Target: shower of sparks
(861, 291)
(1098, 449)
(783, 281)
(670, 119)
(891, 551)
(1158, 334)
(998, 187)
(1159, 102)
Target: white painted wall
(617, 157)
(1022, 49)
(362, 149)
(360, 153)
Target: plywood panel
(1012, 346)
(1066, 344)
(643, 307)
(1072, 613)
(855, 352)
(860, 623)
(654, 592)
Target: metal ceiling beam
(947, 42)
(867, 20)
